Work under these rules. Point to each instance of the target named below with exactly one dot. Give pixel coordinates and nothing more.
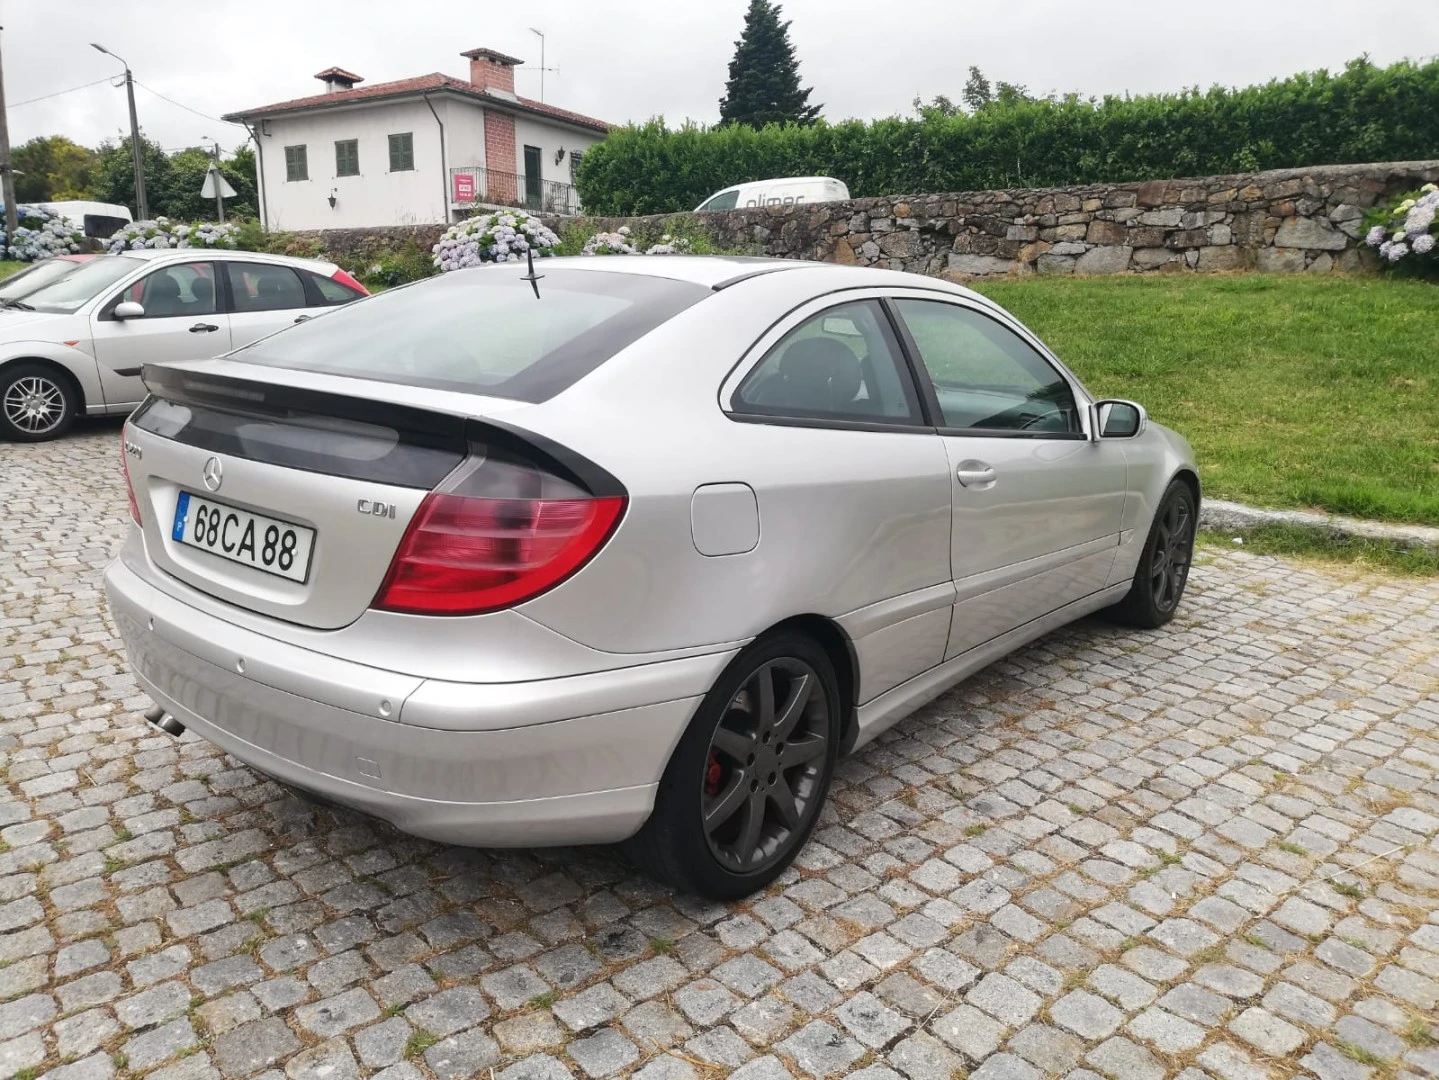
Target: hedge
(1366, 113)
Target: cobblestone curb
(1238, 518)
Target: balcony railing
(471, 185)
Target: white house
(415, 151)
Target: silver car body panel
(104, 357)
(732, 527)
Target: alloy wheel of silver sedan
(765, 765)
(1174, 546)
(624, 550)
(35, 403)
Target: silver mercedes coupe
(623, 549)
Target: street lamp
(140, 202)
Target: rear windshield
(482, 331)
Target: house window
(297, 164)
(347, 157)
(402, 152)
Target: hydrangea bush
(498, 237)
(164, 233)
(39, 234)
(610, 243)
(671, 245)
(1406, 231)
(624, 242)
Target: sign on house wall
(464, 187)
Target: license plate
(265, 543)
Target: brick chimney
(492, 72)
(337, 78)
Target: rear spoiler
(427, 444)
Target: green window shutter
(347, 157)
(296, 163)
(402, 152)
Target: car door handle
(302, 318)
(203, 328)
(976, 474)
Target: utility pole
(219, 188)
(141, 204)
(7, 168)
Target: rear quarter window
(482, 331)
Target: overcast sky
(631, 59)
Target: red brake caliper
(714, 774)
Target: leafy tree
(51, 167)
(940, 107)
(977, 92)
(114, 178)
(763, 85)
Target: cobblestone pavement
(1207, 851)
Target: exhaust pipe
(160, 719)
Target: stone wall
(1284, 220)
(1278, 221)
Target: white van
(785, 191)
(97, 219)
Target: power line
(187, 108)
(57, 93)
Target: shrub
(496, 237)
(39, 234)
(610, 243)
(164, 233)
(250, 235)
(410, 263)
(1405, 231)
(1365, 113)
(670, 245)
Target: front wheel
(36, 403)
(1164, 563)
(744, 787)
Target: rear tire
(36, 403)
(1163, 570)
(746, 784)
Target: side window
(262, 287)
(985, 376)
(331, 291)
(725, 200)
(402, 152)
(180, 290)
(841, 364)
(297, 163)
(347, 157)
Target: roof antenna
(532, 277)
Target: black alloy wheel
(1172, 552)
(765, 769)
(744, 787)
(1163, 569)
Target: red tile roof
(418, 85)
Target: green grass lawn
(1296, 391)
(7, 267)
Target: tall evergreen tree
(763, 85)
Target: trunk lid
(344, 462)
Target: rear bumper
(562, 773)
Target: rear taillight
(125, 468)
(498, 532)
(349, 282)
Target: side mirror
(1117, 419)
(129, 310)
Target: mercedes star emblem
(214, 474)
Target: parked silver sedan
(623, 549)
